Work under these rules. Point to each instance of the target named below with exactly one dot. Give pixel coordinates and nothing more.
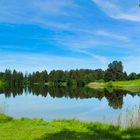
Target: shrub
(4, 119)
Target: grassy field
(132, 85)
(127, 83)
(36, 129)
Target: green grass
(1, 84)
(37, 129)
(127, 83)
(132, 85)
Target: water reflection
(113, 96)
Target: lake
(51, 103)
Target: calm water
(63, 103)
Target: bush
(4, 119)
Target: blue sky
(69, 34)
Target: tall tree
(114, 71)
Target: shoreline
(132, 85)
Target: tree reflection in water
(113, 96)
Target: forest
(78, 77)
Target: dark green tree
(132, 76)
(114, 71)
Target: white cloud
(43, 12)
(112, 35)
(33, 62)
(116, 11)
(99, 58)
(55, 7)
(81, 43)
(129, 16)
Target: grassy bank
(132, 85)
(35, 129)
(1, 84)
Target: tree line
(78, 77)
(12, 78)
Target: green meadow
(132, 85)
(38, 129)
